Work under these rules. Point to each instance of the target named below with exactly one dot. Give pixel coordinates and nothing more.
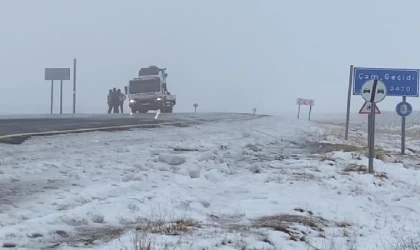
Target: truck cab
(149, 91)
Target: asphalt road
(39, 125)
(16, 129)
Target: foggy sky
(225, 55)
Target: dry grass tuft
(160, 223)
(381, 175)
(343, 224)
(355, 168)
(381, 155)
(363, 170)
(88, 236)
(322, 148)
(287, 176)
(144, 241)
(403, 242)
(284, 223)
(291, 225)
(141, 242)
(175, 227)
(303, 176)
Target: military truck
(149, 91)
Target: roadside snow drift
(267, 183)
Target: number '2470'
(393, 88)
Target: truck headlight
(132, 101)
(159, 99)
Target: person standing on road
(110, 106)
(115, 100)
(122, 99)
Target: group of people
(116, 100)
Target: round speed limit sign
(404, 109)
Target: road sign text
(399, 82)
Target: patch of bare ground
(303, 176)
(159, 223)
(295, 175)
(323, 147)
(301, 227)
(82, 237)
(88, 236)
(412, 133)
(298, 227)
(334, 123)
(385, 156)
(167, 227)
(355, 168)
(409, 133)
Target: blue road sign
(399, 82)
(404, 109)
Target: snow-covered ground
(267, 183)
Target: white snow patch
(94, 190)
(172, 159)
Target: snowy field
(386, 121)
(387, 127)
(265, 183)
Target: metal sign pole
(372, 126)
(346, 136)
(52, 96)
(372, 139)
(298, 111)
(61, 96)
(369, 129)
(404, 99)
(74, 86)
(310, 110)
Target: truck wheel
(169, 109)
(163, 109)
(133, 110)
(143, 111)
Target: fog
(224, 55)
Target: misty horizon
(226, 56)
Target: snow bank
(259, 184)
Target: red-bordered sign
(367, 107)
(301, 101)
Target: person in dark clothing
(121, 100)
(115, 100)
(165, 90)
(109, 100)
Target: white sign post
(52, 74)
(373, 91)
(307, 102)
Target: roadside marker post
(306, 102)
(373, 91)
